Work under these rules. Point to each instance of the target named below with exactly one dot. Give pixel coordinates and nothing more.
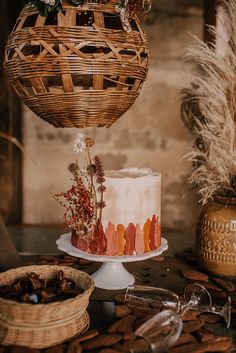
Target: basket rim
(56, 303)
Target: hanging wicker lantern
(77, 68)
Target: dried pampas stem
(209, 112)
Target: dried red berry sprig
(80, 207)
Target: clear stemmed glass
(165, 327)
(147, 297)
(139, 296)
(222, 310)
(195, 297)
(161, 331)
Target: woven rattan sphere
(77, 68)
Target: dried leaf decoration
(209, 111)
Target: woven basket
(44, 325)
(78, 68)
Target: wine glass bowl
(140, 296)
(196, 294)
(161, 331)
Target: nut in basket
(44, 325)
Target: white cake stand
(112, 274)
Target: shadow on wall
(151, 134)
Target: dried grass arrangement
(209, 112)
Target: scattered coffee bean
(86, 336)
(190, 315)
(184, 339)
(123, 325)
(220, 295)
(191, 348)
(195, 275)
(137, 346)
(122, 310)
(210, 318)
(84, 262)
(226, 285)
(119, 298)
(109, 350)
(102, 341)
(210, 286)
(158, 258)
(191, 326)
(74, 348)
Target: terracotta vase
(216, 237)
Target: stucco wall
(151, 134)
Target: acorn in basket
(33, 289)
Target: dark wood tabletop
(36, 244)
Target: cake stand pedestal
(112, 274)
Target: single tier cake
(131, 220)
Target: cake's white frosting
(132, 196)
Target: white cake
(131, 220)
(132, 196)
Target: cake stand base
(112, 276)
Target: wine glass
(161, 331)
(194, 289)
(196, 297)
(139, 296)
(165, 327)
(151, 298)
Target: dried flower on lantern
(125, 8)
(49, 2)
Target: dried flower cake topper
(84, 200)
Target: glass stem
(184, 307)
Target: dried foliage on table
(209, 111)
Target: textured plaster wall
(150, 134)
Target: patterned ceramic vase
(216, 237)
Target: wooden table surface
(164, 271)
